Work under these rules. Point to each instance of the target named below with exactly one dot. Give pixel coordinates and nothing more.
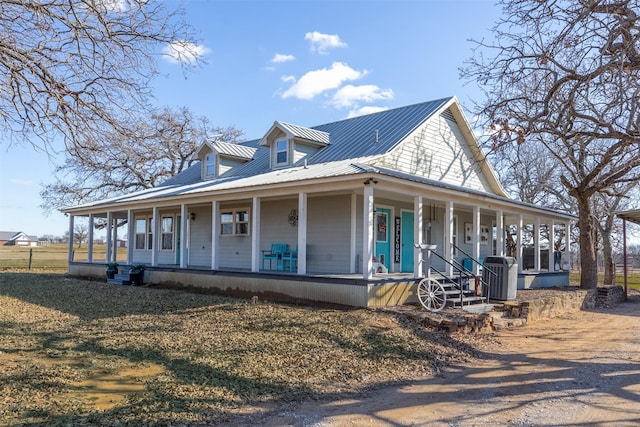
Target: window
(144, 233)
(210, 165)
(234, 222)
(282, 149)
(167, 233)
(381, 227)
(141, 233)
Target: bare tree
(566, 75)
(70, 68)
(153, 149)
(80, 233)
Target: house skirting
(348, 291)
(380, 291)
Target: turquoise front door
(406, 245)
(383, 233)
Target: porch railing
(462, 273)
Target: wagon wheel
(431, 294)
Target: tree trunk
(609, 265)
(589, 269)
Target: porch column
(567, 245)
(476, 239)
(215, 234)
(448, 233)
(552, 239)
(130, 236)
(302, 233)
(499, 233)
(114, 240)
(90, 244)
(108, 257)
(352, 240)
(519, 244)
(184, 248)
(537, 265)
(155, 236)
(70, 243)
(255, 235)
(417, 237)
(367, 233)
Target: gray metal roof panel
(306, 133)
(234, 150)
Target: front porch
(343, 289)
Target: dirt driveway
(583, 369)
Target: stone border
(509, 313)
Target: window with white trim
(282, 151)
(210, 165)
(234, 222)
(143, 233)
(167, 233)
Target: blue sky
(303, 62)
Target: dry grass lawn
(75, 352)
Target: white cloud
(184, 52)
(281, 57)
(317, 81)
(365, 110)
(18, 181)
(321, 43)
(349, 95)
(288, 79)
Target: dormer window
(210, 165)
(282, 151)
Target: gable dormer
(290, 145)
(217, 158)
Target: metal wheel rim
(432, 295)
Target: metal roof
(364, 136)
(233, 150)
(305, 133)
(631, 216)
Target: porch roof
(631, 216)
(306, 176)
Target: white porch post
(90, 244)
(70, 243)
(255, 235)
(476, 239)
(499, 233)
(184, 248)
(367, 233)
(130, 236)
(114, 241)
(108, 257)
(417, 236)
(155, 236)
(448, 232)
(353, 244)
(552, 239)
(302, 233)
(537, 265)
(519, 244)
(567, 244)
(215, 234)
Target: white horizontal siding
(328, 234)
(200, 242)
(438, 151)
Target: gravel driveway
(582, 369)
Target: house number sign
(396, 242)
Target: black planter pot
(136, 278)
(111, 272)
